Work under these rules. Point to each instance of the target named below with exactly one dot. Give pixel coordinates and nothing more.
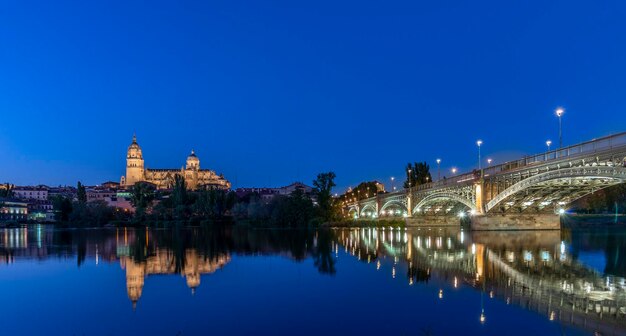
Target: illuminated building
(195, 177)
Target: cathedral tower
(191, 170)
(134, 164)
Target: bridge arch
(448, 196)
(353, 210)
(370, 207)
(393, 202)
(563, 185)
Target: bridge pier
(495, 222)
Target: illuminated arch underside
(545, 192)
(443, 203)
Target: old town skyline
(305, 89)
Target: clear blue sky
(268, 92)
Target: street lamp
(548, 143)
(392, 187)
(489, 162)
(453, 171)
(438, 169)
(559, 113)
(479, 142)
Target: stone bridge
(531, 190)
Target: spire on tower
(134, 137)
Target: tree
(295, 210)
(323, 187)
(62, 208)
(323, 257)
(417, 174)
(213, 203)
(96, 213)
(6, 191)
(81, 193)
(141, 196)
(179, 197)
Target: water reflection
(539, 271)
(142, 252)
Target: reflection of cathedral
(164, 178)
(164, 263)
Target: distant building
(110, 185)
(67, 192)
(265, 194)
(40, 211)
(380, 188)
(195, 177)
(99, 194)
(120, 202)
(6, 186)
(31, 193)
(268, 194)
(288, 190)
(13, 209)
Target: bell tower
(134, 163)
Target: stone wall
(433, 221)
(516, 222)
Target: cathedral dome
(134, 151)
(193, 161)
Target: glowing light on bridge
(479, 143)
(559, 113)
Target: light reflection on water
(504, 273)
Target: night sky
(268, 92)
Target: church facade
(195, 177)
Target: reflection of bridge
(531, 269)
(539, 184)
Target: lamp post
(489, 162)
(438, 169)
(478, 143)
(559, 113)
(548, 143)
(453, 171)
(392, 187)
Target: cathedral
(195, 177)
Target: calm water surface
(194, 281)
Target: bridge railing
(593, 146)
(450, 181)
